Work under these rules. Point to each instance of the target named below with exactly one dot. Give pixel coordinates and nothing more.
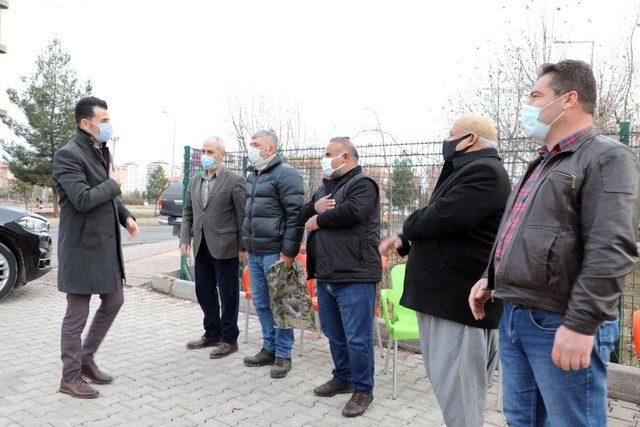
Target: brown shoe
(96, 375)
(223, 350)
(331, 388)
(202, 343)
(357, 405)
(78, 388)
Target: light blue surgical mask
(105, 132)
(530, 120)
(208, 162)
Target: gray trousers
(460, 361)
(74, 352)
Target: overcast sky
(336, 60)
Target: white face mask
(327, 169)
(254, 154)
(530, 120)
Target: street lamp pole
(173, 145)
(591, 42)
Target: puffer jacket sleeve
(291, 191)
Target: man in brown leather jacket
(565, 243)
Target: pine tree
(48, 104)
(404, 190)
(157, 183)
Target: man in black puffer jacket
(343, 222)
(275, 193)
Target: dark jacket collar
(586, 137)
(347, 176)
(466, 158)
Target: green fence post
(625, 128)
(185, 271)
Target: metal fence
(407, 174)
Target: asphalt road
(148, 234)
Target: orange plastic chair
(246, 287)
(636, 331)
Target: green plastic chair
(401, 322)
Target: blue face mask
(531, 124)
(105, 132)
(208, 162)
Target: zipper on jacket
(571, 176)
(253, 207)
(534, 191)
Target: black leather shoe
(281, 366)
(78, 388)
(202, 343)
(97, 376)
(264, 358)
(223, 350)
(357, 405)
(331, 388)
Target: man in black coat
(89, 251)
(448, 243)
(343, 222)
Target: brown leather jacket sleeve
(609, 219)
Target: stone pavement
(159, 382)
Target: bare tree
(249, 115)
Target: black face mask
(449, 148)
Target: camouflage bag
(289, 296)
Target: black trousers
(75, 352)
(218, 293)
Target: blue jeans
(280, 340)
(537, 392)
(346, 316)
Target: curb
(623, 382)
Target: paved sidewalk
(159, 382)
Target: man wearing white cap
(448, 243)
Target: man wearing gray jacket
(212, 217)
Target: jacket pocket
(545, 320)
(529, 257)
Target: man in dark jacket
(561, 254)
(89, 251)
(448, 242)
(343, 225)
(275, 193)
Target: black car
(25, 248)
(170, 206)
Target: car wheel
(8, 271)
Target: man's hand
(324, 204)
(242, 256)
(571, 350)
(312, 224)
(185, 250)
(478, 296)
(288, 261)
(132, 227)
(393, 242)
